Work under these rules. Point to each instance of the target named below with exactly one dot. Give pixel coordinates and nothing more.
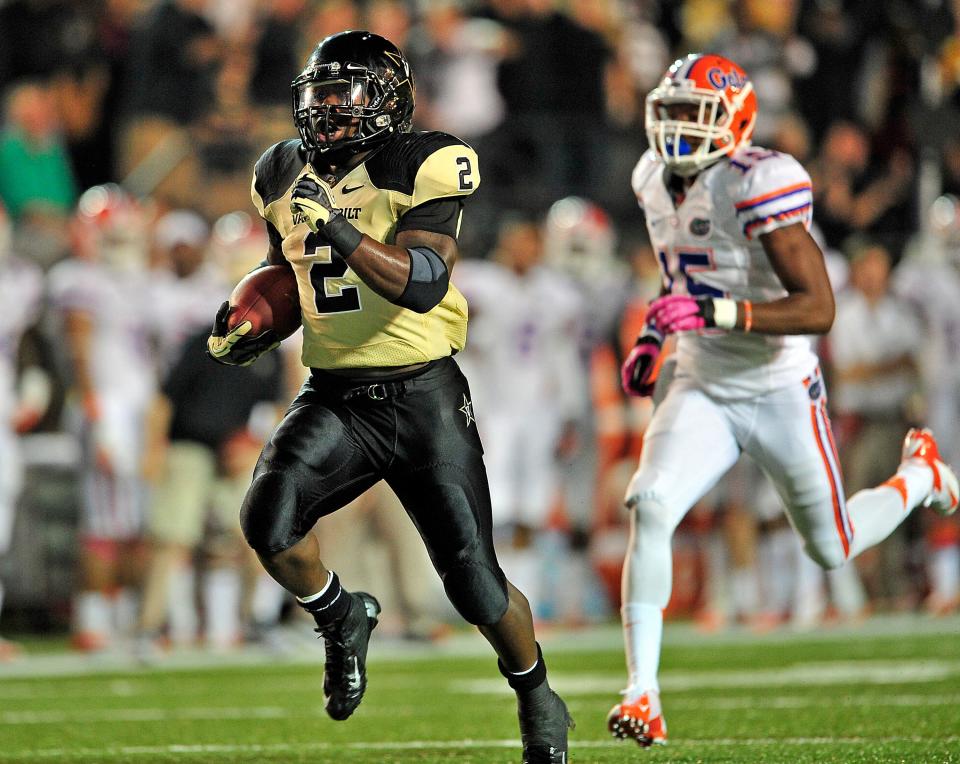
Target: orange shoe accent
(710, 621)
(641, 720)
(900, 485)
(89, 642)
(919, 445)
(9, 651)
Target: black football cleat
(345, 669)
(544, 722)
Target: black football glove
(232, 347)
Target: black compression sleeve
(427, 283)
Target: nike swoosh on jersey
(348, 190)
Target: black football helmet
(357, 79)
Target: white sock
(944, 571)
(267, 600)
(745, 588)
(182, 606)
(126, 605)
(810, 601)
(646, 585)
(847, 590)
(221, 606)
(91, 613)
(642, 636)
(876, 512)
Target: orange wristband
(747, 315)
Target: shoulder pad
(775, 191)
(646, 167)
(29, 279)
(275, 171)
(425, 166)
(765, 170)
(74, 284)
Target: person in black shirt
(202, 406)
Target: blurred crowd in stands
(128, 137)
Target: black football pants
(341, 436)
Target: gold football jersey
(345, 323)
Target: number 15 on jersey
(681, 266)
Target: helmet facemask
(110, 227)
(335, 109)
(692, 142)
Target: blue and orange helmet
(703, 109)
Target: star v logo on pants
(467, 409)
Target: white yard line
(141, 715)
(809, 674)
(774, 702)
(438, 745)
(812, 674)
(304, 650)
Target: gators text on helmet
(721, 122)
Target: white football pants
(693, 440)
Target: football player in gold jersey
(366, 212)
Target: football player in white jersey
(743, 281)
(99, 297)
(23, 404)
(529, 388)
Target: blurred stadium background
(129, 133)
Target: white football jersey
(21, 290)
(709, 246)
(186, 304)
(523, 339)
(122, 363)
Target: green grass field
(888, 691)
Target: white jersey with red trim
(522, 359)
(710, 246)
(186, 304)
(21, 291)
(121, 359)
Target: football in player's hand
(268, 299)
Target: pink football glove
(637, 372)
(680, 313)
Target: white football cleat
(919, 445)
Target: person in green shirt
(35, 172)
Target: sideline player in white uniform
(529, 387)
(21, 290)
(743, 280)
(99, 295)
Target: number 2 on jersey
(686, 263)
(464, 176)
(331, 295)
